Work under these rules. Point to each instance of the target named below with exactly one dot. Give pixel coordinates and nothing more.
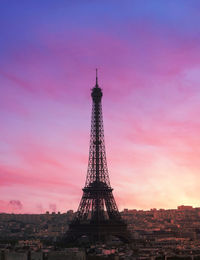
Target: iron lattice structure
(97, 215)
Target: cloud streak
(148, 57)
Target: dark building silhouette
(97, 216)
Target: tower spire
(96, 77)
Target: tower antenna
(96, 77)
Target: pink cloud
(52, 207)
(16, 80)
(150, 105)
(11, 206)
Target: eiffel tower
(97, 216)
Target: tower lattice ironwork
(97, 216)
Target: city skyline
(148, 57)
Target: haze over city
(148, 56)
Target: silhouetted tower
(97, 215)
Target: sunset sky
(148, 56)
